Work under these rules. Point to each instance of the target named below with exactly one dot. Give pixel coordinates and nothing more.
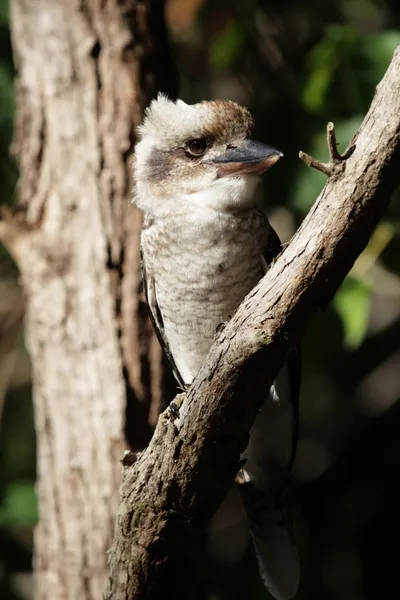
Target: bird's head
(201, 154)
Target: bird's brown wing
(272, 250)
(273, 247)
(157, 320)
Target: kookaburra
(204, 246)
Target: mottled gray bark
(170, 493)
(85, 71)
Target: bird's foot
(129, 458)
(175, 405)
(242, 477)
(222, 326)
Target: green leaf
(6, 95)
(325, 61)
(19, 504)
(378, 50)
(227, 47)
(4, 11)
(352, 303)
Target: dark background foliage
(297, 64)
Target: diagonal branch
(170, 493)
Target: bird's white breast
(203, 263)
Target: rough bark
(85, 71)
(169, 494)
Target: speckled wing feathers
(157, 321)
(272, 250)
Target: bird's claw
(220, 328)
(242, 477)
(175, 405)
(222, 325)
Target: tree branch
(170, 493)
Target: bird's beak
(250, 158)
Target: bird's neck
(229, 196)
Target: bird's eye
(196, 147)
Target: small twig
(315, 164)
(336, 161)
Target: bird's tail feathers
(271, 530)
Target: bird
(204, 246)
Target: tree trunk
(85, 70)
